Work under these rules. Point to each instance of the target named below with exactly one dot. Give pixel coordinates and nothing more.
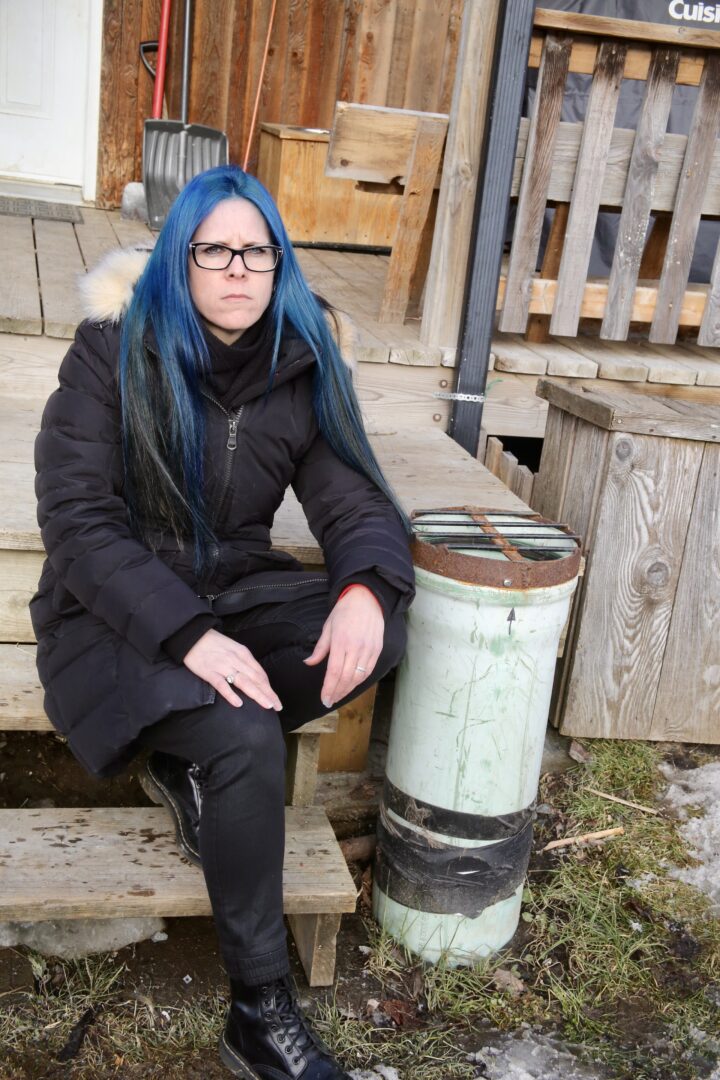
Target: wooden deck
(398, 376)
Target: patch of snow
(698, 789)
(527, 1055)
(70, 939)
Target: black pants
(241, 752)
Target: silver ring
(230, 680)
(358, 668)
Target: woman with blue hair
(207, 379)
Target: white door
(49, 90)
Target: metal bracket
(478, 398)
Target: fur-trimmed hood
(107, 290)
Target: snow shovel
(175, 151)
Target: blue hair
(162, 409)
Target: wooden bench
(70, 863)
(385, 147)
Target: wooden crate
(638, 476)
(314, 207)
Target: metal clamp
(478, 398)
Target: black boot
(267, 1036)
(175, 783)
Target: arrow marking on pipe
(511, 619)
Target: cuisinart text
(703, 13)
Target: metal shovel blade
(173, 153)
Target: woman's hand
(214, 656)
(353, 638)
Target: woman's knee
(244, 740)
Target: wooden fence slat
(425, 63)
(404, 20)
(538, 326)
(597, 134)
(238, 74)
(19, 298)
(376, 31)
(637, 198)
(333, 21)
(687, 672)
(688, 206)
(535, 183)
(302, 68)
(118, 99)
(349, 51)
(274, 88)
(211, 44)
(59, 265)
(452, 48)
(149, 26)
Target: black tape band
(453, 822)
(425, 874)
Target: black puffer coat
(105, 603)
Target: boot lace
(296, 1026)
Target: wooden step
(122, 862)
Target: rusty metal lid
(499, 548)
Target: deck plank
(121, 862)
(131, 233)
(59, 266)
(19, 298)
(95, 236)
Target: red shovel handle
(161, 60)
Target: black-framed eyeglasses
(259, 258)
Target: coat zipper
(233, 419)
(276, 585)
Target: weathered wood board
(122, 862)
(19, 298)
(637, 477)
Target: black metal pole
(492, 205)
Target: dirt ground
(38, 771)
